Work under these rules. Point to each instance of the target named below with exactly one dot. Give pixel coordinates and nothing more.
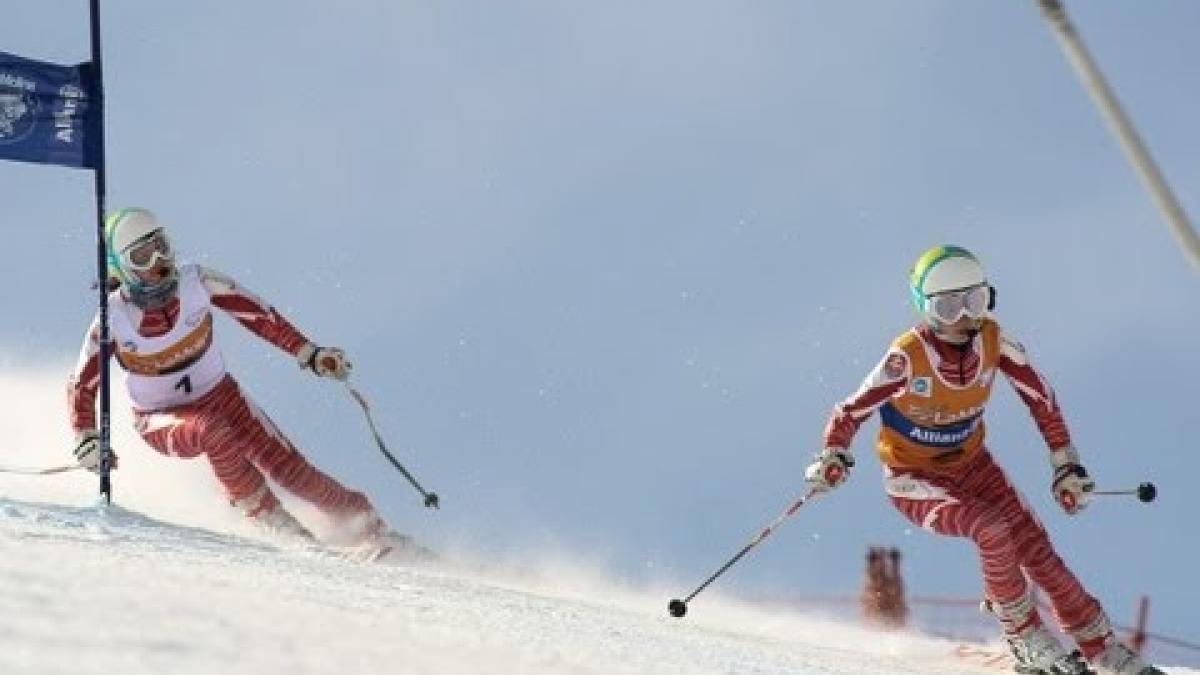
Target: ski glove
(1071, 484)
(830, 469)
(87, 451)
(325, 361)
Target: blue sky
(605, 267)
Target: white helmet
(949, 281)
(137, 242)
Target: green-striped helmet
(137, 242)
(942, 270)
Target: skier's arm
(1070, 483)
(81, 401)
(85, 382)
(252, 312)
(832, 464)
(889, 378)
(1035, 391)
(266, 322)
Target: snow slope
(89, 590)
(93, 591)
(169, 582)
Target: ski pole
(678, 607)
(30, 471)
(1145, 492)
(431, 498)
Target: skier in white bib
(187, 405)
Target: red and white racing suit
(187, 405)
(940, 475)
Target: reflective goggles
(950, 306)
(146, 252)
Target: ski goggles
(148, 251)
(950, 306)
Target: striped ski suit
(939, 473)
(209, 415)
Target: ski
(980, 655)
(1004, 662)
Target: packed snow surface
(106, 590)
(170, 581)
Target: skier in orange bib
(931, 389)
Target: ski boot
(264, 510)
(376, 542)
(1038, 652)
(279, 523)
(1117, 659)
(394, 548)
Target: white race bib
(179, 366)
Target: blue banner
(49, 114)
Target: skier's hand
(830, 469)
(325, 361)
(87, 451)
(1071, 484)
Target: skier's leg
(1077, 611)
(243, 482)
(936, 504)
(174, 433)
(1072, 605)
(965, 506)
(191, 430)
(261, 443)
(202, 428)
